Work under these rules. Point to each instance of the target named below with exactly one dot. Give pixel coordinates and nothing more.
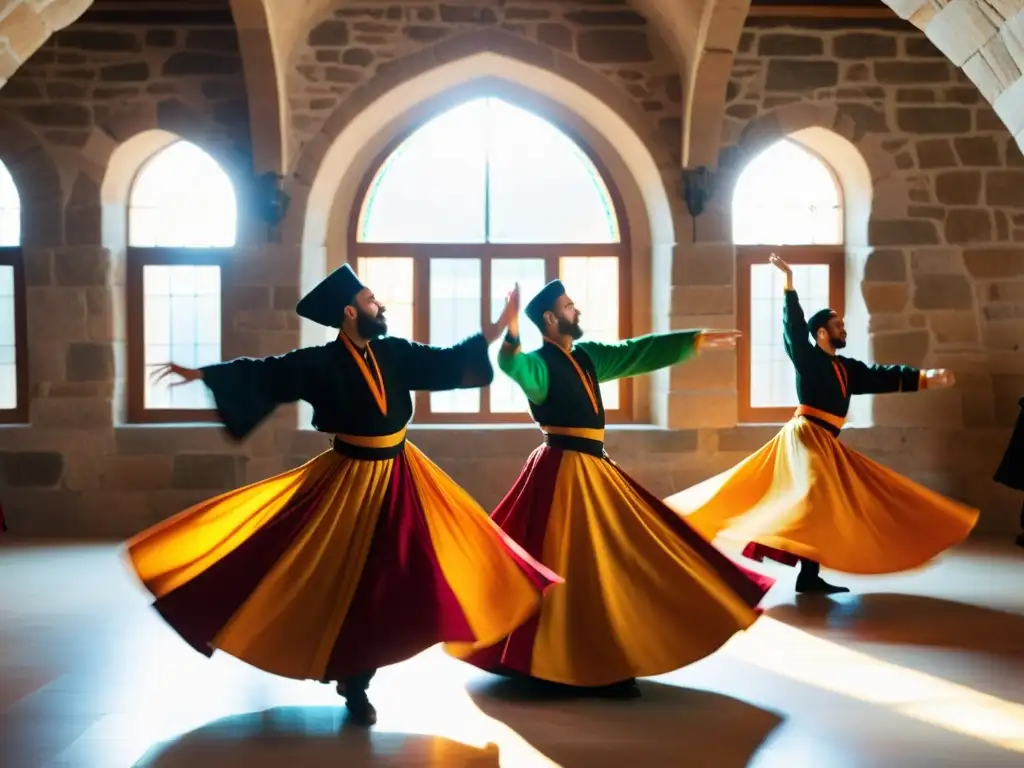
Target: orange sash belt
(375, 441)
(828, 418)
(584, 433)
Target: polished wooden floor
(925, 669)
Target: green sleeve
(641, 355)
(529, 371)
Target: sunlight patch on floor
(791, 653)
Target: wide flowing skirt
(644, 594)
(809, 496)
(338, 567)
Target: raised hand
(780, 265)
(512, 307)
(185, 375)
(509, 317)
(784, 268)
(939, 378)
(715, 340)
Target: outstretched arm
(436, 369)
(247, 390)
(529, 371)
(463, 366)
(881, 379)
(635, 357)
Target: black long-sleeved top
(328, 377)
(827, 382)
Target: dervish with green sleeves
(644, 593)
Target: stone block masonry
(363, 37)
(944, 279)
(87, 75)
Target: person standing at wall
(1011, 470)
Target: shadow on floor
(908, 620)
(668, 726)
(309, 737)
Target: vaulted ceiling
(982, 37)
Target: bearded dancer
(362, 557)
(644, 594)
(807, 498)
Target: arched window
(13, 340)
(787, 201)
(182, 218)
(480, 197)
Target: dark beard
(572, 330)
(370, 327)
(837, 342)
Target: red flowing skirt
(644, 593)
(338, 567)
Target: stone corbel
(698, 187)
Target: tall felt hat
(544, 301)
(819, 320)
(325, 304)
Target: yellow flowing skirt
(807, 494)
(338, 567)
(644, 594)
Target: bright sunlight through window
(488, 171)
(10, 236)
(787, 196)
(182, 198)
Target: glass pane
(8, 370)
(431, 189)
(787, 196)
(182, 198)
(506, 396)
(593, 284)
(10, 209)
(182, 325)
(455, 298)
(542, 187)
(773, 383)
(391, 280)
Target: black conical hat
(326, 303)
(544, 301)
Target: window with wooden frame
(788, 202)
(14, 382)
(182, 222)
(482, 196)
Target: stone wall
(944, 281)
(76, 470)
(363, 38)
(87, 76)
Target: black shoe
(360, 710)
(818, 586)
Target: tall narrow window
(787, 201)
(480, 197)
(13, 340)
(182, 219)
